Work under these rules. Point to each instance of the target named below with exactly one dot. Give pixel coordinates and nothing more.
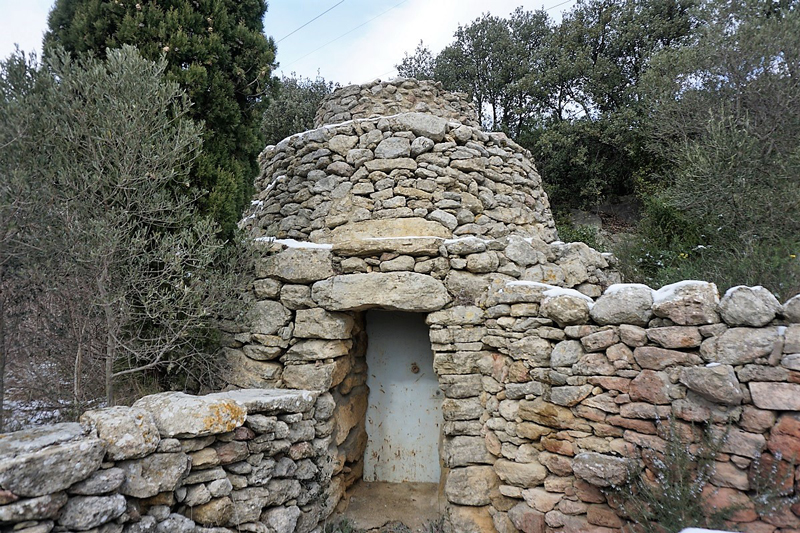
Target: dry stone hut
(405, 253)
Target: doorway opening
(402, 471)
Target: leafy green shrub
(571, 232)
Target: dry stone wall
(560, 395)
(408, 166)
(377, 99)
(246, 460)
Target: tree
(420, 65)
(109, 150)
(293, 106)
(216, 51)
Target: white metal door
(405, 402)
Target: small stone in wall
(129, 433)
(716, 383)
(687, 303)
(624, 304)
(791, 309)
(748, 306)
(86, 512)
(565, 309)
(601, 470)
(40, 508)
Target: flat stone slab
(407, 236)
(46, 460)
(394, 291)
(128, 433)
(182, 415)
(271, 401)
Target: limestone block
(444, 218)
(791, 309)
(86, 512)
(459, 315)
(266, 288)
(175, 523)
(471, 485)
(46, 460)
(342, 144)
(546, 413)
(524, 253)
(624, 304)
(317, 349)
(394, 291)
(534, 349)
(569, 396)
(316, 377)
(296, 297)
(297, 265)
(738, 346)
(408, 236)
(246, 372)
(101, 482)
(421, 124)
(282, 519)
(748, 306)
(653, 358)
(457, 386)
(650, 386)
(216, 512)
(465, 246)
(791, 339)
(464, 451)
(566, 353)
(469, 519)
(177, 414)
(267, 317)
(40, 508)
(128, 433)
(155, 473)
(393, 147)
(600, 340)
(687, 303)
(421, 145)
(566, 309)
(483, 262)
(399, 264)
(601, 470)
(387, 165)
(716, 383)
(632, 336)
(776, 396)
(271, 401)
(462, 409)
(676, 337)
(524, 475)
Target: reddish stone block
(718, 499)
(603, 515)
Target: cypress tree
(216, 51)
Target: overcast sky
(356, 41)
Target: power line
(346, 33)
(393, 70)
(309, 22)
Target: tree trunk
(111, 345)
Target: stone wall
(247, 460)
(559, 395)
(399, 95)
(411, 165)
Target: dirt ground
(378, 506)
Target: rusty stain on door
(405, 401)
